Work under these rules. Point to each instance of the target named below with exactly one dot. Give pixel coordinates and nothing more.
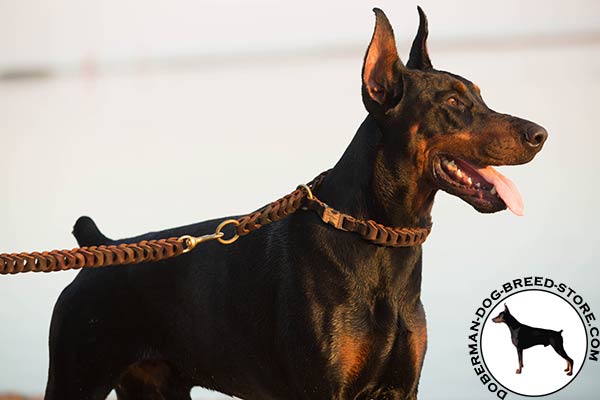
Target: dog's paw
(570, 373)
(518, 371)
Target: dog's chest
(350, 354)
(514, 336)
(389, 340)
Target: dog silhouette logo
(525, 336)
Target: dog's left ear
(382, 68)
(505, 307)
(419, 57)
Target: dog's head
(440, 122)
(502, 316)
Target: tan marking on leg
(352, 356)
(154, 373)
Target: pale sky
(70, 32)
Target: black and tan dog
(524, 336)
(298, 309)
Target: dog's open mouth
(484, 188)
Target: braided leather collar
(303, 197)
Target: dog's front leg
(520, 353)
(417, 340)
(417, 346)
(403, 368)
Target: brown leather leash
(162, 249)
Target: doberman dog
(299, 309)
(524, 337)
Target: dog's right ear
(506, 308)
(382, 68)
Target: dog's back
(159, 322)
(528, 336)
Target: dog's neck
(511, 321)
(366, 184)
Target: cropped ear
(419, 57)
(506, 307)
(382, 68)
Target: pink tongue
(506, 189)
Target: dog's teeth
(478, 185)
(445, 162)
(452, 166)
(493, 191)
(470, 181)
(459, 173)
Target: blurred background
(148, 115)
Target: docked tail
(87, 233)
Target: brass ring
(308, 191)
(224, 224)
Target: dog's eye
(454, 102)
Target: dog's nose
(535, 136)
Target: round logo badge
(532, 337)
(534, 343)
